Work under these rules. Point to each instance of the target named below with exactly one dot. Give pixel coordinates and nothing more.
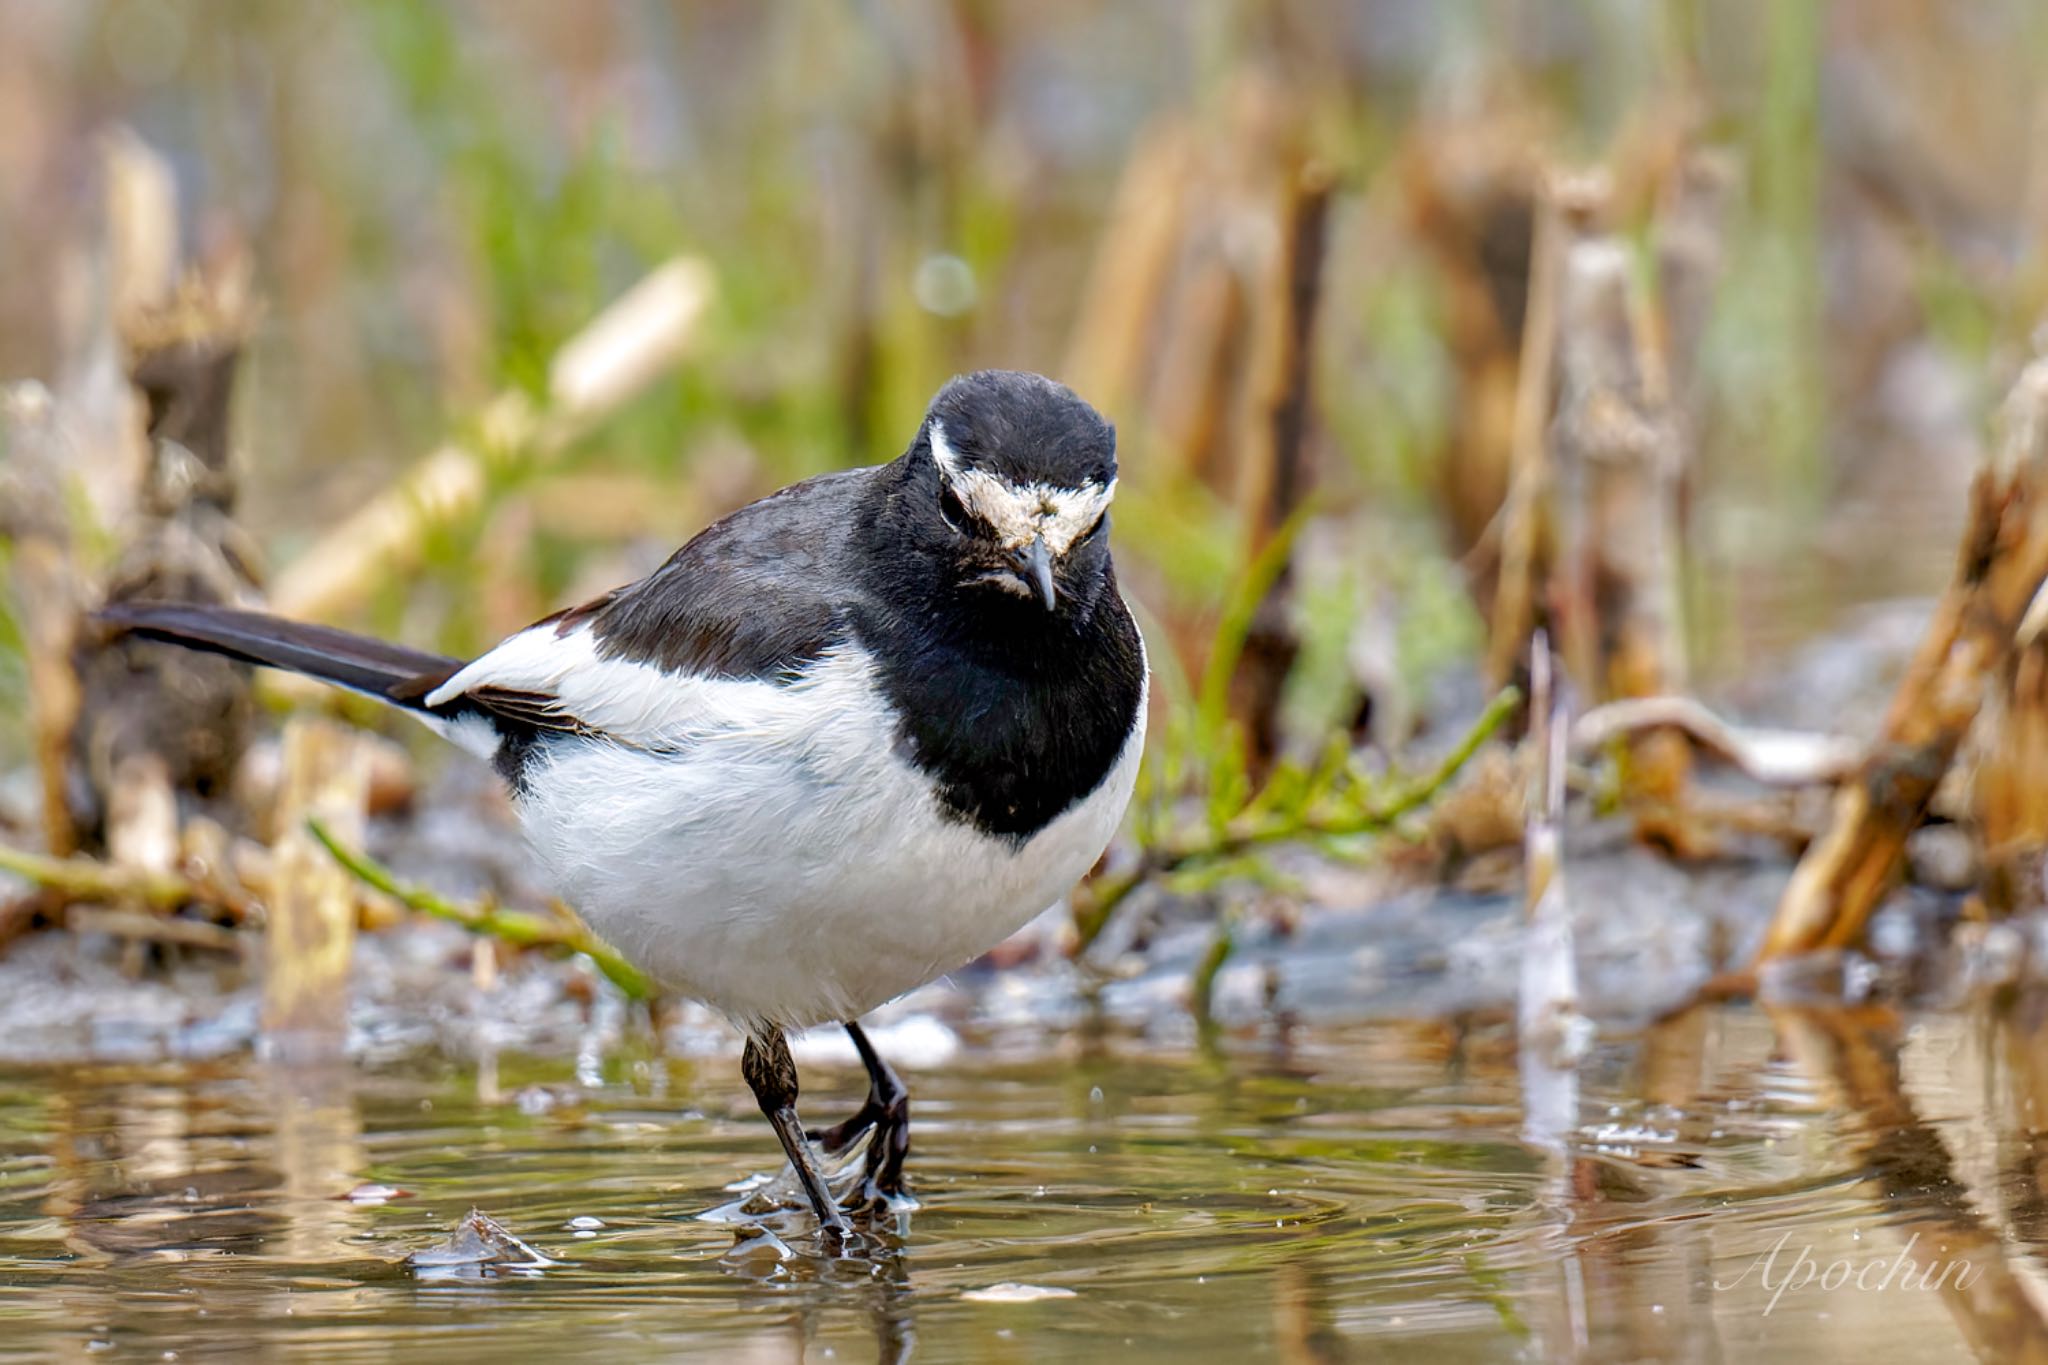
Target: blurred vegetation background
(433, 197)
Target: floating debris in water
(1011, 1292)
(536, 1100)
(480, 1242)
(368, 1193)
(753, 1242)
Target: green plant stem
(520, 928)
(1253, 829)
(1202, 986)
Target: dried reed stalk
(1691, 227)
(1275, 478)
(2009, 787)
(1971, 641)
(76, 459)
(1469, 193)
(49, 612)
(1526, 532)
(1214, 257)
(155, 720)
(310, 940)
(1105, 358)
(632, 342)
(1589, 533)
(1199, 392)
(1616, 448)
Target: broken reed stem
(1133, 266)
(80, 880)
(138, 895)
(1277, 475)
(1524, 520)
(1691, 251)
(2009, 786)
(1617, 458)
(1775, 758)
(629, 344)
(1470, 187)
(520, 928)
(88, 879)
(142, 926)
(81, 459)
(47, 590)
(1590, 530)
(1255, 828)
(310, 933)
(1999, 572)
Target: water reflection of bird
(844, 741)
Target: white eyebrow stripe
(943, 453)
(1019, 515)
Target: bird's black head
(1007, 491)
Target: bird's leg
(886, 1110)
(771, 1075)
(892, 1128)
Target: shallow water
(1306, 1195)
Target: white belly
(785, 865)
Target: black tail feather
(387, 672)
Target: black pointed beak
(1034, 565)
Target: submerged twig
(1258, 825)
(1550, 1031)
(521, 928)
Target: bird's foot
(888, 1149)
(836, 1141)
(881, 1185)
(886, 1128)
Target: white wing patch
(1019, 515)
(636, 703)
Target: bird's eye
(951, 509)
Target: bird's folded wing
(752, 602)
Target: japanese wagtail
(844, 741)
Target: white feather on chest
(763, 847)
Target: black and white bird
(844, 741)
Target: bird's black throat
(1012, 737)
(1015, 712)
